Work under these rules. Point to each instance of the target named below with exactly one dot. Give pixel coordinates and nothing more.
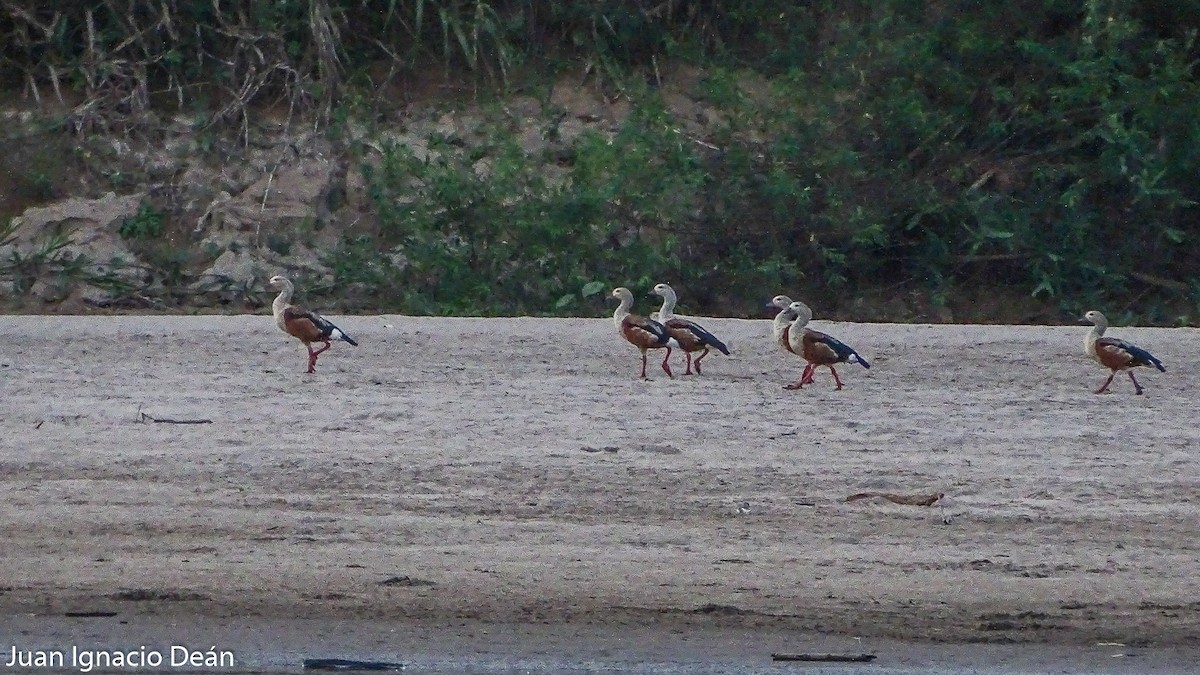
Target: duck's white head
(801, 310)
(662, 290)
(621, 293)
(1093, 317)
(780, 301)
(278, 281)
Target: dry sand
(516, 470)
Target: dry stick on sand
(350, 664)
(838, 658)
(907, 500)
(142, 417)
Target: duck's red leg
(312, 358)
(805, 378)
(835, 377)
(702, 355)
(1137, 388)
(666, 367)
(1104, 387)
(644, 365)
(688, 355)
(809, 372)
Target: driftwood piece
(825, 658)
(142, 417)
(406, 581)
(350, 665)
(907, 500)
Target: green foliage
(1038, 148)
(147, 224)
(1044, 146)
(483, 230)
(47, 260)
(486, 229)
(23, 269)
(306, 51)
(279, 243)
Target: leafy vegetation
(147, 223)
(1038, 150)
(50, 262)
(483, 229)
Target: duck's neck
(283, 299)
(780, 324)
(668, 307)
(623, 310)
(803, 316)
(1094, 334)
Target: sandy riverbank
(515, 470)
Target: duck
(1114, 353)
(691, 336)
(307, 327)
(642, 332)
(780, 327)
(815, 347)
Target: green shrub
(147, 224)
(483, 230)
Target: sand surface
(517, 471)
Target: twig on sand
(349, 664)
(907, 500)
(834, 658)
(142, 417)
